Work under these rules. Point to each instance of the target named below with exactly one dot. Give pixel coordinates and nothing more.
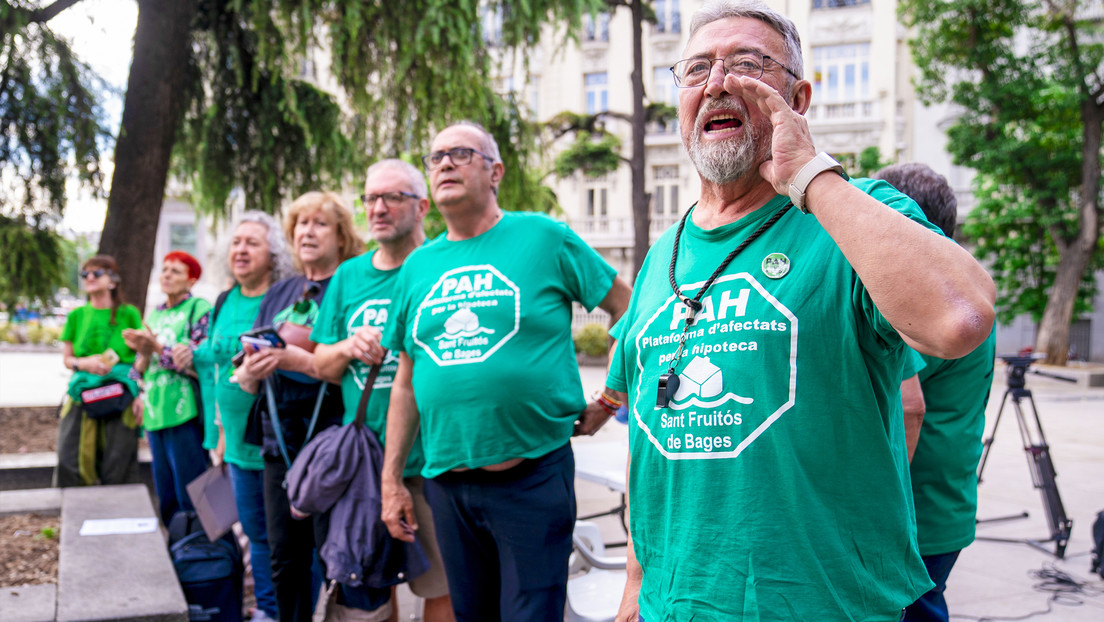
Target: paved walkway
(990, 579)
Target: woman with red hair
(170, 412)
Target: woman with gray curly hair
(257, 258)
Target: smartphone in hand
(264, 337)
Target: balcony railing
(868, 110)
(618, 231)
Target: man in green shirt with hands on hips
(481, 321)
(762, 353)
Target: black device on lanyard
(669, 382)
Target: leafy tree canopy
(259, 121)
(51, 132)
(1027, 81)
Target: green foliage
(592, 340)
(257, 123)
(1011, 231)
(29, 333)
(51, 121)
(592, 155)
(865, 164)
(45, 335)
(1020, 75)
(47, 532)
(33, 261)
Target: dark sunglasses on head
(97, 273)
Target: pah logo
(372, 313)
(468, 314)
(736, 373)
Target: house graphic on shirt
(463, 323)
(700, 378)
(700, 383)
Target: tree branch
(48, 13)
(19, 17)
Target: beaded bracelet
(611, 404)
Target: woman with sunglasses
(257, 257)
(293, 403)
(169, 412)
(95, 449)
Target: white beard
(725, 162)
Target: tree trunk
(641, 215)
(152, 111)
(1074, 258)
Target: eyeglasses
(310, 290)
(390, 199)
(693, 72)
(459, 156)
(97, 273)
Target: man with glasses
(348, 333)
(481, 319)
(762, 353)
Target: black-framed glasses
(691, 72)
(390, 199)
(97, 273)
(310, 290)
(460, 156)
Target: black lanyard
(669, 382)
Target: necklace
(669, 382)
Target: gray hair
(490, 146)
(929, 189)
(416, 178)
(277, 244)
(714, 10)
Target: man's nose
(714, 83)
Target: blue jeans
(505, 538)
(932, 606)
(249, 496)
(178, 458)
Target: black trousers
(292, 543)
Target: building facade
(857, 57)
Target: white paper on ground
(115, 526)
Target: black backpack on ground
(210, 573)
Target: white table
(603, 462)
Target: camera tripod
(1038, 458)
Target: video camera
(1018, 365)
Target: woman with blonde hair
(294, 402)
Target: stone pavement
(990, 578)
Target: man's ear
(498, 170)
(802, 96)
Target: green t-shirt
(487, 323)
(91, 332)
(170, 398)
(360, 295)
(773, 486)
(912, 364)
(944, 475)
(234, 318)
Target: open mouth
(722, 123)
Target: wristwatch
(819, 164)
